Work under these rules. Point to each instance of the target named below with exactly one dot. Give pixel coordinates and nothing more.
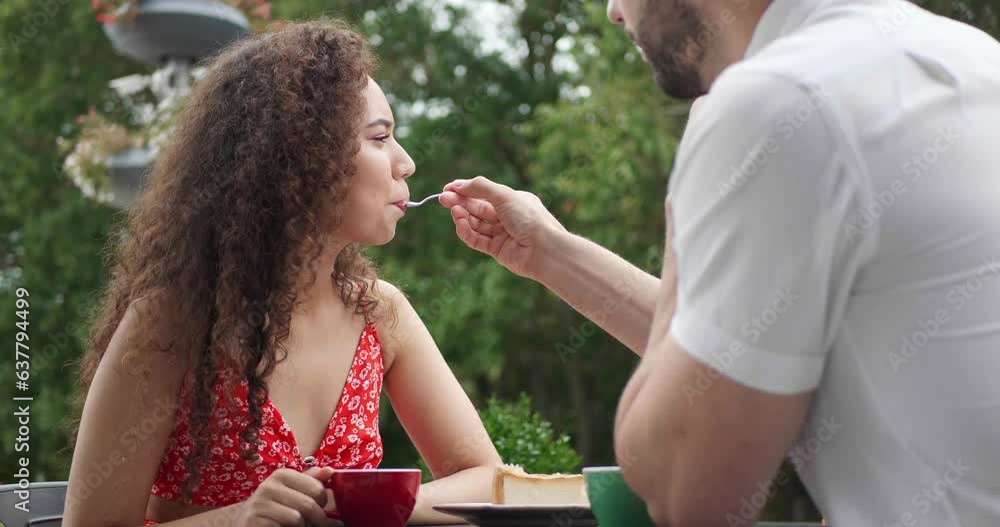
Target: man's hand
(512, 226)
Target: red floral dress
(352, 439)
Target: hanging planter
(108, 161)
(87, 154)
(156, 31)
(127, 173)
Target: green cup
(613, 502)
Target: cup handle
(334, 514)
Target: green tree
(54, 63)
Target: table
(759, 524)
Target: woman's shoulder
(149, 329)
(140, 366)
(391, 300)
(386, 291)
(392, 317)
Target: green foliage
(523, 437)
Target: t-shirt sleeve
(763, 193)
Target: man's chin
(677, 85)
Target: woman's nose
(405, 167)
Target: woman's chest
(327, 386)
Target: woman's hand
(289, 499)
(512, 226)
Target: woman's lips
(401, 204)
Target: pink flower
(263, 11)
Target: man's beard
(668, 32)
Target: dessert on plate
(513, 486)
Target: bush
(523, 437)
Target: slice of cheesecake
(513, 486)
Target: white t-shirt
(837, 208)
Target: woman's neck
(319, 292)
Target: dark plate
(489, 515)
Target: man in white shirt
(832, 294)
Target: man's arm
(516, 229)
(695, 453)
(690, 441)
(611, 292)
(765, 269)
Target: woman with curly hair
(239, 354)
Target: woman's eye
(382, 139)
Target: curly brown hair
(238, 208)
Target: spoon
(421, 202)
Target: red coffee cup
(376, 497)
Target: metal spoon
(421, 202)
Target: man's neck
(739, 19)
